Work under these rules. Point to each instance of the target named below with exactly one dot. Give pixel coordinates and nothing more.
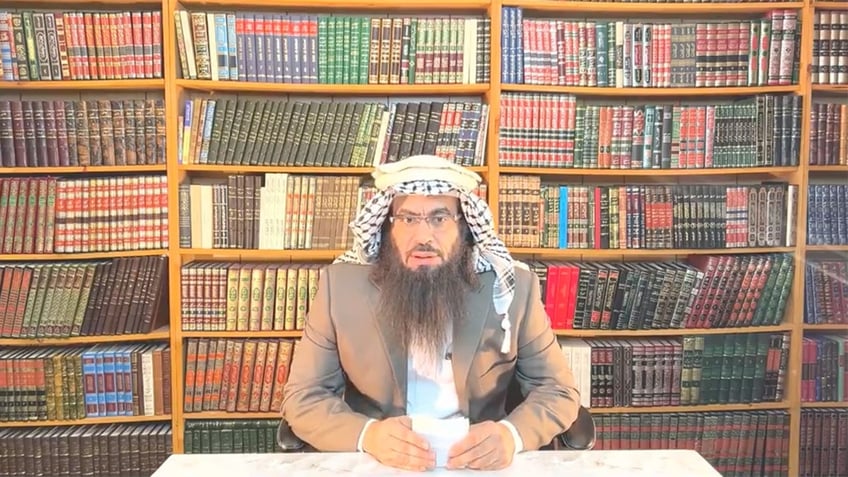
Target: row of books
(826, 291)
(736, 444)
(829, 63)
(679, 371)
(560, 130)
(258, 131)
(229, 296)
(824, 442)
(63, 299)
(715, 291)
(829, 132)
(553, 51)
(232, 436)
(824, 368)
(337, 49)
(533, 213)
(102, 132)
(88, 381)
(115, 450)
(236, 375)
(536, 130)
(827, 223)
(77, 45)
(238, 212)
(91, 214)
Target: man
(428, 315)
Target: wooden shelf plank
(830, 5)
(654, 92)
(575, 253)
(255, 254)
(827, 248)
(77, 3)
(87, 420)
(831, 88)
(231, 415)
(82, 169)
(828, 168)
(564, 171)
(228, 169)
(697, 408)
(242, 334)
(829, 405)
(158, 334)
(339, 5)
(670, 332)
(84, 85)
(650, 7)
(80, 256)
(825, 326)
(336, 89)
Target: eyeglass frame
(411, 220)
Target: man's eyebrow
(442, 209)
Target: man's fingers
(408, 456)
(486, 458)
(410, 437)
(463, 456)
(465, 444)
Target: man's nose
(422, 233)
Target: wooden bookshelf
(89, 85)
(827, 327)
(359, 5)
(87, 421)
(227, 169)
(155, 335)
(242, 334)
(670, 332)
(175, 89)
(758, 406)
(81, 170)
(256, 254)
(590, 254)
(830, 88)
(79, 256)
(830, 5)
(336, 89)
(230, 415)
(649, 7)
(671, 173)
(650, 92)
(838, 169)
(827, 405)
(827, 248)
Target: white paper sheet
(441, 433)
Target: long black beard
(420, 306)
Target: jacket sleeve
(544, 375)
(312, 403)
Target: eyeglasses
(435, 221)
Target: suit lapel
(466, 337)
(395, 355)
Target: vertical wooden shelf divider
(170, 60)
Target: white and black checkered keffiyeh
(490, 253)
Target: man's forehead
(425, 203)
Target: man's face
(425, 230)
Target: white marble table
(599, 463)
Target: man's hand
(487, 446)
(393, 442)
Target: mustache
(426, 248)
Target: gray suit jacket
(346, 371)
